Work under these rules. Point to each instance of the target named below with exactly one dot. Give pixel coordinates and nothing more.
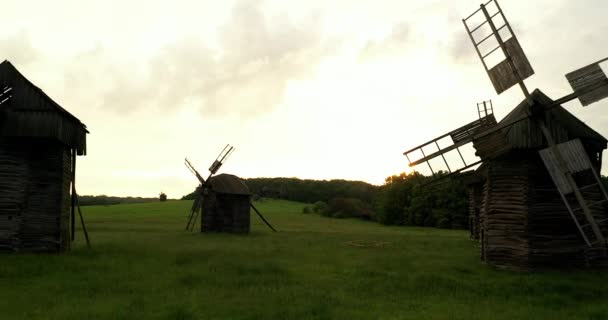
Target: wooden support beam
(262, 217)
(73, 200)
(84, 227)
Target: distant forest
(103, 200)
(402, 200)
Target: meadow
(143, 265)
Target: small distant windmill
(539, 128)
(224, 184)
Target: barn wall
(31, 206)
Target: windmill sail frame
(515, 67)
(459, 137)
(587, 77)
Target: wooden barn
(516, 210)
(39, 142)
(226, 205)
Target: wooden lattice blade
(460, 137)
(503, 77)
(586, 77)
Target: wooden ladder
(589, 226)
(563, 161)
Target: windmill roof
(563, 125)
(32, 113)
(228, 184)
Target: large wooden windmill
(39, 144)
(223, 201)
(538, 200)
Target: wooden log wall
(505, 211)
(32, 213)
(524, 223)
(226, 213)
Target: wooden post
(262, 217)
(84, 227)
(73, 200)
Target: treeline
(402, 200)
(308, 191)
(103, 200)
(409, 199)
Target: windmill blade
(262, 217)
(221, 158)
(584, 79)
(191, 168)
(459, 138)
(514, 68)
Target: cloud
(246, 74)
(394, 44)
(18, 49)
(460, 49)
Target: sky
(311, 89)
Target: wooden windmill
(538, 154)
(39, 143)
(223, 200)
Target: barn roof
(563, 125)
(229, 184)
(32, 113)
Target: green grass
(143, 265)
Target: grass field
(143, 265)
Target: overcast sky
(309, 89)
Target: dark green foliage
(403, 201)
(189, 196)
(349, 208)
(307, 209)
(310, 191)
(394, 196)
(321, 208)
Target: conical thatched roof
(228, 184)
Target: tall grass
(143, 265)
